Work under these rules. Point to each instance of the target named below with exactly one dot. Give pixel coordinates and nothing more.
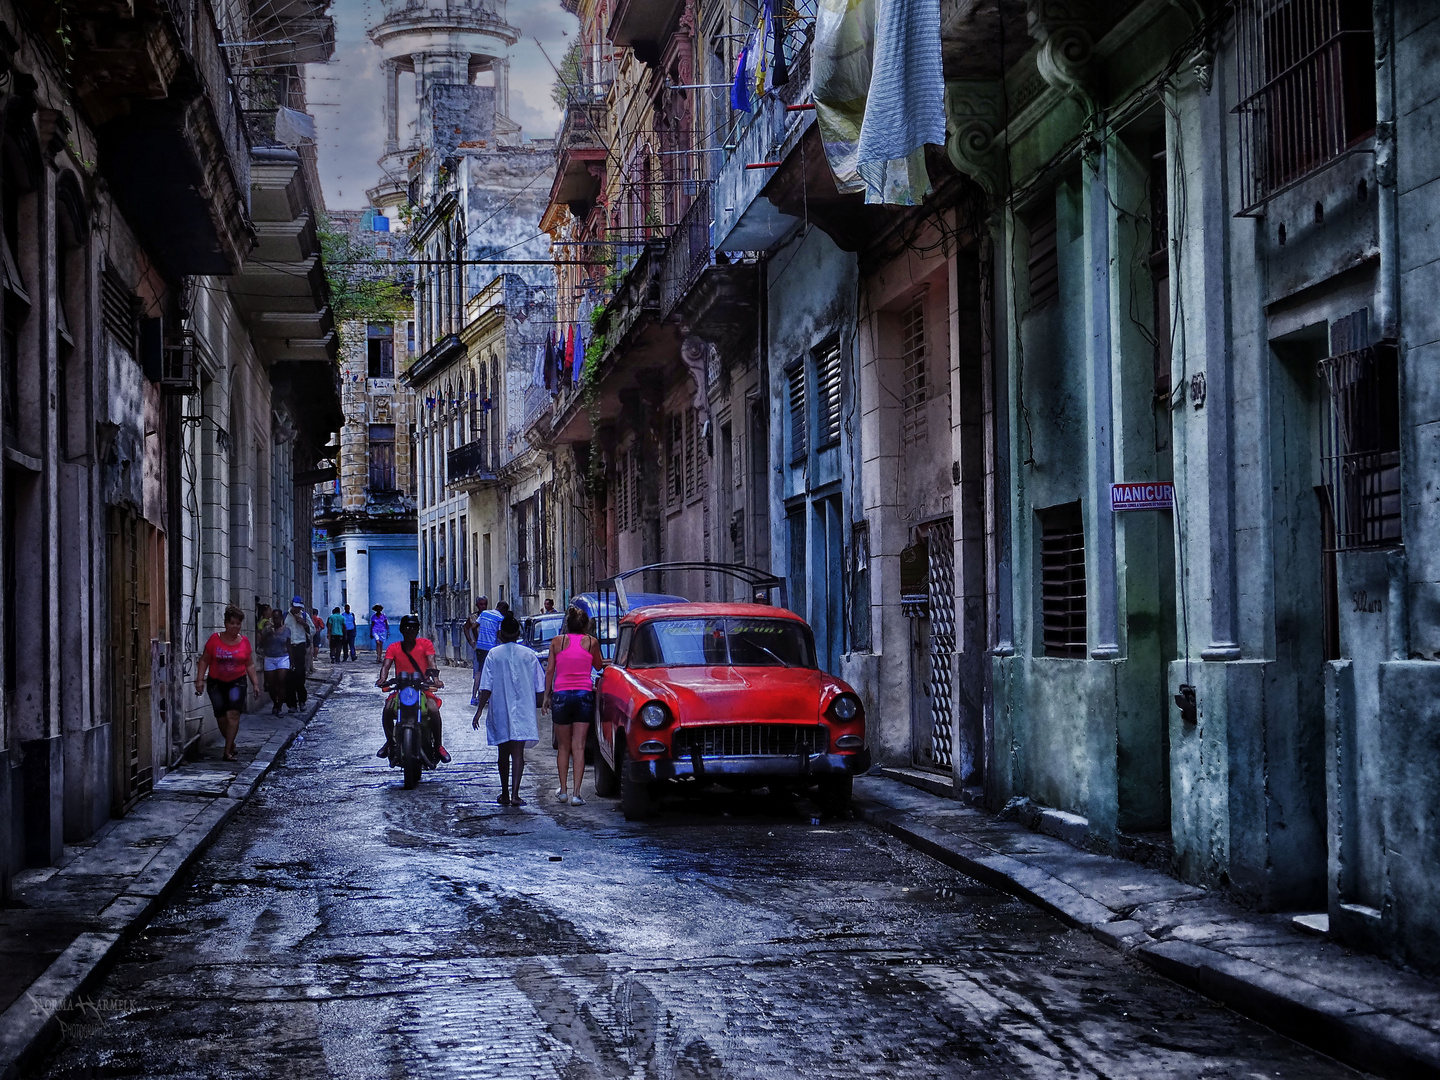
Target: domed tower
(446, 43)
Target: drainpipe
(1107, 631)
(1388, 298)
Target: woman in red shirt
(228, 660)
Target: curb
(30, 1026)
(1349, 1030)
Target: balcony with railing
(470, 466)
(176, 117)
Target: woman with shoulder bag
(224, 665)
(570, 697)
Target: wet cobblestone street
(344, 927)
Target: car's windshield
(545, 628)
(736, 642)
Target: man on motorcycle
(411, 654)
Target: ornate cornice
(1065, 30)
(973, 115)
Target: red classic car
(723, 693)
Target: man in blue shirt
(482, 629)
(350, 631)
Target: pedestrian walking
(570, 697)
(335, 627)
(225, 664)
(471, 630)
(350, 632)
(487, 631)
(511, 683)
(301, 630)
(317, 635)
(275, 648)
(379, 632)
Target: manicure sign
(1149, 495)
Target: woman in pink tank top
(570, 697)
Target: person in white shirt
(512, 682)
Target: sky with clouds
(347, 95)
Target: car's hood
(712, 694)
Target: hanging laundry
(754, 71)
(537, 369)
(879, 94)
(293, 127)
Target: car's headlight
(654, 715)
(845, 707)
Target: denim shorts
(572, 707)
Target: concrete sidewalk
(57, 937)
(1357, 1008)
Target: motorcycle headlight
(409, 696)
(653, 715)
(845, 707)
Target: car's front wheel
(637, 797)
(607, 780)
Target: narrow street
(344, 927)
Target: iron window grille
(913, 389)
(827, 397)
(1062, 581)
(1307, 89)
(1361, 446)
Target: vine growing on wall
(362, 285)
(590, 401)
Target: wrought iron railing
(688, 252)
(470, 464)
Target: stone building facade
(167, 371)
(470, 192)
(364, 543)
(1130, 265)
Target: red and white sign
(1146, 495)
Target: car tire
(637, 798)
(607, 780)
(835, 792)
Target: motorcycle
(413, 745)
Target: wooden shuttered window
(1062, 581)
(674, 459)
(799, 416)
(827, 397)
(1044, 259)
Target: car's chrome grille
(747, 740)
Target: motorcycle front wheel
(410, 755)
